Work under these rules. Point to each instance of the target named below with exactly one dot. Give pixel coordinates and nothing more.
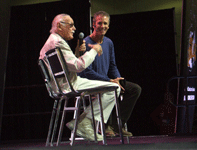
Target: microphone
(81, 36)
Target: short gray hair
(57, 19)
(100, 13)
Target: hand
(81, 48)
(117, 81)
(97, 48)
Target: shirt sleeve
(89, 71)
(113, 71)
(76, 64)
(91, 74)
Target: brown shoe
(109, 131)
(124, 132)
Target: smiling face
(66, 28)
(101, 25)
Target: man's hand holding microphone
(81, 47)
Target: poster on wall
(188, 66)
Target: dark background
(145, 54)
(4, 33)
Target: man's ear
(94, 25)
(59, 26)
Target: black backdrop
(145, 54)
(26, 102)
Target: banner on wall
(188, 66)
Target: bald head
(59, 18)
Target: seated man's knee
(138, 89)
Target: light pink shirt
(74, 64)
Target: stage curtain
(145, 54)
(26, 99)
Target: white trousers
(107, 98)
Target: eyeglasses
(70, 24)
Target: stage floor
(135, 142)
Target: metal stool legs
(63, 120)
(73, 137)
(102, 120)
(53, 124)
(119, 117)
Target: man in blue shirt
(104, 68)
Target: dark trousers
(130, 96)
